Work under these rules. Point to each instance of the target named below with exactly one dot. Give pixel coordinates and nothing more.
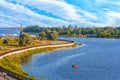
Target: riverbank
(11, 61)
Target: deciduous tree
(25, 39)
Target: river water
(9, 31)
(97, 59)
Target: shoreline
(16, 59)
(32, 48)
(92, 37)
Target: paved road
(7, 77)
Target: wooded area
(74, 31)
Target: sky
(56, 13)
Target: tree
(42, 35)
(106, 34)
(116, 32)
(5, 41)
(67, 32)
(52, 35)
(25, 39)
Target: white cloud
(112, 17)
(56, 7)
(61, 9)
(112, 2)
(113, 14)
(61, 13)
(88, 14)
(106, 9)
(18, 12)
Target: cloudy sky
(59, 12)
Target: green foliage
(33, 78)
(14, 41)
(1, 41)
(42, 35)
(68, 32)
(52, 35)
(73, 31)
(25, 39)
(5, 41)
(33, 29)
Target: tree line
(74, 31)
(25, 39)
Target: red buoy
(74, 66)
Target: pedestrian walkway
(6, 77)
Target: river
(97, 59)
(9, 31)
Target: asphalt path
(7, 77)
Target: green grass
(1, 41)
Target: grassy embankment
(11, 45)
(12, 62)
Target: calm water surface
(97, 59)
(8, 31)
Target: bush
(5, 41)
